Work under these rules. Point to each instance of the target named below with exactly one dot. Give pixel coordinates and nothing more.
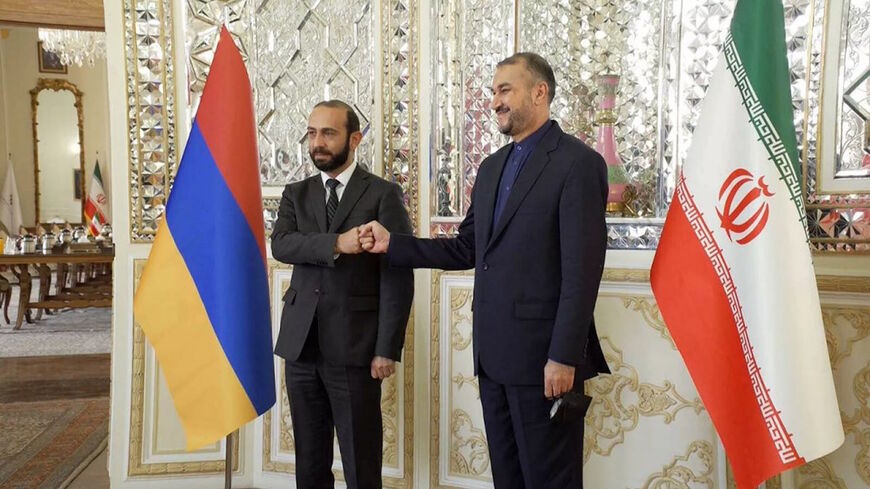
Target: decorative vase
(617, 179)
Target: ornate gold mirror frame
(58, 85)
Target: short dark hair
(538, 66)
(352, 119)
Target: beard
(335, 161)
(517, 119)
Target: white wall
(19, 75)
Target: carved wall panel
(278, 452)
(847, 330)
(459, 452)
(647, 406)
(646, 426)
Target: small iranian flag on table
(96, 205)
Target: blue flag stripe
(226, 265)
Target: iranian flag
(733, 275)
(95, 207)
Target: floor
(95, 475)
(54, 377)
(66, 332)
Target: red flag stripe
(228, 127)
(92, 212)
(706, 322)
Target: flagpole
(228, 472)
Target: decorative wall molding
(818, 474)
(469, 451)
(831, 283)
(630, 275)
(620, 399)
(857, 424)
(838, 318)
(397, 411)
(651, 315)
(694, 470)
(150, 70)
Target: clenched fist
(348, 242)
(558, 379)
(374, 237)
(383, 367)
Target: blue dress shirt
(517, 158)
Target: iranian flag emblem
(733, 274)
(743, 209)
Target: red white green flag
(96, 205)
(733, 275)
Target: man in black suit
(345, 313)
(535, 235)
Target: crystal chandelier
(74, 47)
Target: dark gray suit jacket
(361, 304)
(537, 270)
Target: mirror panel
(58, 154)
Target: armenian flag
(203, 298)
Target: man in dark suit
(345, 313)
(535, 235)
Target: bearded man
(344, 315)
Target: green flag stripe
(758, 30)
(768, 133)
(97, 172)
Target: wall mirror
(58, 155)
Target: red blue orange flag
(203, 299)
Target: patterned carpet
(45, 444)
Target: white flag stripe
(773, 275)
(10, 204)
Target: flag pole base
(228, 472)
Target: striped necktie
(332, 203)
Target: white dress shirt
(342, 178)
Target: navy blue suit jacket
(538, 269)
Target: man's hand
(348, 242)
(558, 379)
(383, 367)
(374, 237)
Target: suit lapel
(318, 201)
(488, 194)
(526, 180)
(355, 188)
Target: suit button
(485, 267)
(316, 291)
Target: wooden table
(88, 287)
